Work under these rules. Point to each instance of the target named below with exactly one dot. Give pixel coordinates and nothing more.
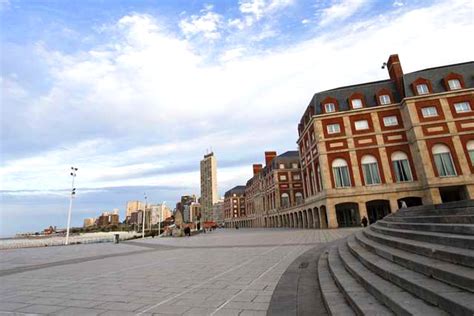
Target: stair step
(333, 299)
(361, 301)
(449, 298)
(462, 229)
(431, 211)
(446, 219)
(456, 275)
(453, 240)
(397, 299)
(448, 205)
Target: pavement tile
(169, 309)
(40, 309)
(252, 313)
(116, 306)
(72, 311)
(10, 307)
(228, 312)
(199, 311)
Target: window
(356, 103)
(384, 99)
(285, 200)
(462, 107)
(294, 165)
(283, 177)
(401, 166)
(340, 171)
(296, 177)
(299, 198)
(454, 84)
(370, 169)
(390, 121)
(443, 160)
(333, 128)
(470, 150)
(329, 107)
(429, 111)
(282, 166)
(320, 178)
(422, 88)
(361, 125)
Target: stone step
(462, 229)
(446, 219)
(361, 301)
(452, 240)
(441, 252)
(456, 275)
(432, 211)
(397, 299)
(446, 297)
(448, 205)
(333, 299)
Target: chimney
(269, 155)
(396, 73)
(257, 168)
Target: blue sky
(134, 92)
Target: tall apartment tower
(209, 194)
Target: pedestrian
(364, 221)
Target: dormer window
(385, 99)
(422, 88)
(356, 103)
(454, 84)
(329, 107)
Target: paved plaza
(225, 272)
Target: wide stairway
(417, 261)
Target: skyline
(133, 94)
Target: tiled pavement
(225, 272)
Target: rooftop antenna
(384, 65)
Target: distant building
(88, 222)
(133, 206)
(234, 205)
(194, 212)
(108, 219)
(156, 212)
(209, 194)
(218, 212)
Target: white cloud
(147, 86)
(257, 9)
(207, 24)
(340, 10)
(398, 3)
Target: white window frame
(370, 170)
(427, 111)
(341, 173)
(296, 177)
(282, 166)
(385, 99)
(361, 125)
(283, 177)
(329, 107)
(444, 162)
(333, 128)
(454, 84)
(462, 107)
(357, 103)
(294, 165)
(422, 88)
(401, 163)
(391, 120)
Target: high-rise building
(133, 206)
(218, 212)
(208, 185)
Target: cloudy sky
(133, 93)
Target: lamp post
(161, 218)
(73, 193)
(144, 214)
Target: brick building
(234, 206)
(366, 148)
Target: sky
(134, 93)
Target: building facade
(133, 206)
(209, 194)
(367, 149)
(234, 206)
(218, 212)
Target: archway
(410, 201)
(377, 209)
(316, 223)
(324, 216)
(347, 215)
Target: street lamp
(161, 218)
(73, 193)
(144, 214)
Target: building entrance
(347, 215)
(454, 193)
(410, 201)
(377, 209)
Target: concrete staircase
(417, 261)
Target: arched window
(470, 150)
(401, 166)
(443, 160)
(340, 171)
(370, 169)
(285, 200)
(299, 198)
